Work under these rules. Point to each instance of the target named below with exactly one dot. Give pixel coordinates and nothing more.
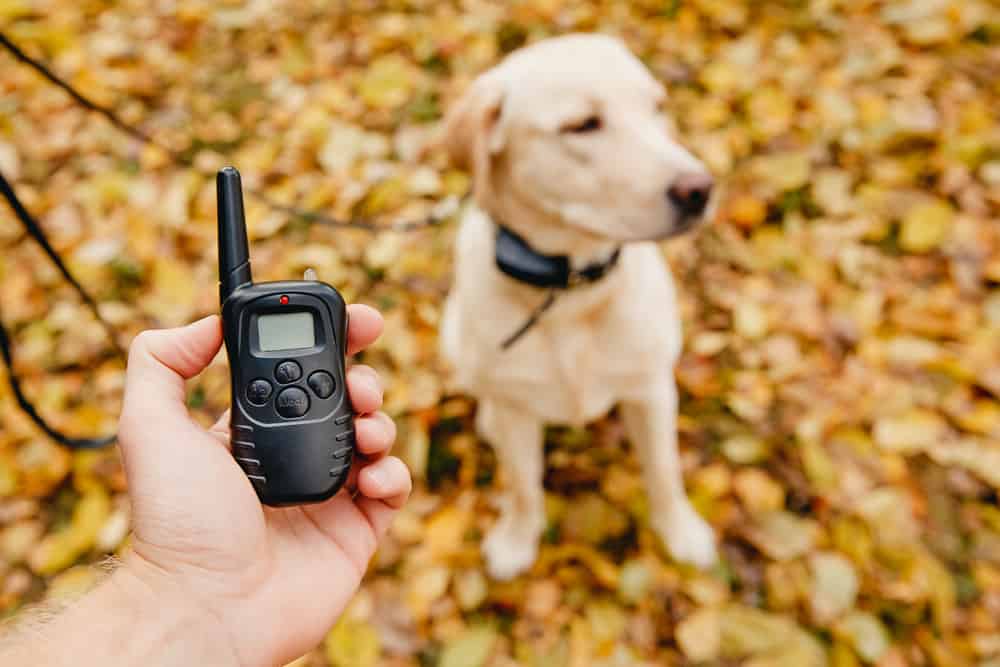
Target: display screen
(286, 331)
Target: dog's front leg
(652, 426)
(512, 545)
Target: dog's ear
(473, 129)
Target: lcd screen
(286, 331)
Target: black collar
(517, 259)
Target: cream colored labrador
(569, 148)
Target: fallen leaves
(471, 649)
(782, 535)
(352, 643)
(926, 226)
(866, 635)
(835, 586)
(840, 380)
(60, 549)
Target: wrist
(170, 625)
(132, 617)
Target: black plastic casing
(290, 461)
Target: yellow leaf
(758, 492)
(866, 634)
(445, 531)
(470, 649)
(388, 82)
(700, 636)
(352, 643)
(926, 226)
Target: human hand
(271, 581)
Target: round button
(292, 402)
(322, 384)
(287, 371)
(259, 391)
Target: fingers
(220, 429)
(387, 480)
(158, 364)
(364, 388)
(374, 434)
(383, 488)
(364, 326)
(221, 425)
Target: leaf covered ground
(841, 376)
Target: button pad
(258, 391)
(322, 384)
(287, 371)
(292, 402)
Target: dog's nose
(690, 193)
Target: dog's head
(571, 131)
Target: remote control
(292, 425)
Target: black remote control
(292, 425)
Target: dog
(573, 164)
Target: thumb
(159, 362)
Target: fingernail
(376, 381)
(197, 322)
(377, 477)
(387, 425)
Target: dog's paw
(509, 551)
(687, 536)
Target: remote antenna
(234, 253)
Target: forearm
(127, 620)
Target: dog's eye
(588, 124)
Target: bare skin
(214, 578)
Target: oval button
(287, 371)
(322, 384)
(259, 391)
(292, 402)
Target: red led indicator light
(283, 300)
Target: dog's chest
(585, 375)
(587, 355)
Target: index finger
(364, 327)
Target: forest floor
(840, 408)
